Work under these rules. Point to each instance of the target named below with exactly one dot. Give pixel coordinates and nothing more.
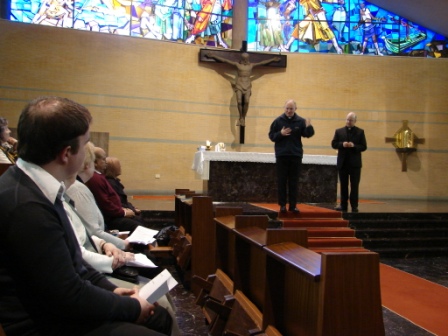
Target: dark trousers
(352, 175)
(157, 325)
(288, 171)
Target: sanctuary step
(402, 234)
(326, 229)
(342, 242)
(315, 232)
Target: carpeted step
(315, 222)
(316, 232)
(309, 214)
(340, 249)
(334, 242)
(306, 211)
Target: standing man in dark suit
(286, 132)
(45, 286)
(350, 141)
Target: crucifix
(244, 62)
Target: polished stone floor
(434, 269)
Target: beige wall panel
(159, 103)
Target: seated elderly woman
(86, 204)
(97, 246)
(8, 144)
(113, 170)
(115, 216)
(90, 212)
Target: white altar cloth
(201, 162)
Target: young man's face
(77, 160)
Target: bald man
(286, 132)
(350, 141)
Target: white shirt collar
(44, 180)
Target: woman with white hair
(8, 144)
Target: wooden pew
(203, 213)
(322, 294)
(196, 215)
(182, 208)
(250, 263)
(271, 331)
(237, 316)
(239, 253)
(179, 251)
(225, 237)
(216, 287)
(245, 318)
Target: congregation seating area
(244, 269)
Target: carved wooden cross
(244, 62)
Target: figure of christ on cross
(243, 83)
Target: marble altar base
(257, 182)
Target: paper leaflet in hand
(142, 235)
(140, 260)
(158, 287)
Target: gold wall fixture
(405, 142)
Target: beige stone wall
(159, 104)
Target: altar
(251, 177)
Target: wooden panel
(202, 231)
(260, 221)
(250, 261)
(294, 235)
(328, 294)
(351, 286)
(244, 316)
(225, 242)
(100, 139)
(292, 293)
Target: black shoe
(339, 208)
(355, 210)
(295, 210)
(283, 209)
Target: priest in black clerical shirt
(350, 141)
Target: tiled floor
(433, 269)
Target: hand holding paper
(158, 287)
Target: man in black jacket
(286, 132)
(350, 141)
(45, 286)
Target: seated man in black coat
(45, 286)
